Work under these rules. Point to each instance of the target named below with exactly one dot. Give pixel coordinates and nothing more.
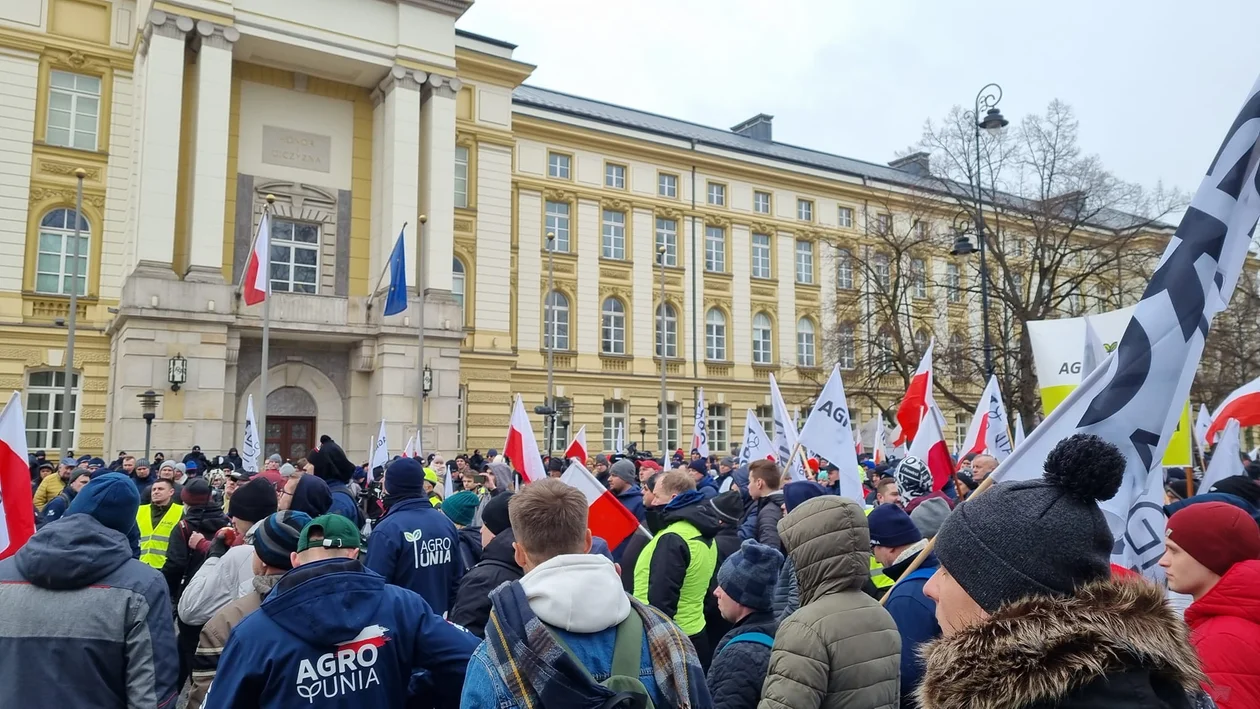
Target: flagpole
(266, 340)
(420, 342)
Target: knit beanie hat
(749, 575)
(494, 516)
(795, 493)
(275, 458)
(253, 501)
(111, 498)
(729, 506)
(914, 478)
(142, 463)
(167, 464)
(404, 476)
(287, 470)
(929, 515)
(1240, 485)
(891, 527)
(461, 507)
(624, 469)
(697, 466)
(311, 496)
(277, 536)
(331, 462)
(196, 492)
(1036, 537)
(1218, 535)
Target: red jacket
(1225, 631)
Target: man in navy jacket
(895, 542)
(414, 545)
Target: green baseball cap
(331, 532)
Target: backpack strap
(628, 648)
(759, 638)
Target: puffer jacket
(769, 512)
(214, 635)
(218, 582)
(738, 670)
(472, 599)
(840, 648)
(1114, 644)
(1225, 631)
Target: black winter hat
(729, 506)
(494, 516)
(1036, 537)
(330, 461)
(253, 501)
(1240, 485)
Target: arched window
(763, 339)
(805, 343)
(56, 258)
(458, 275)
(671, 330)
(556, 322)
(921, 341)
(715, 335)
(846, 347)
(613, 327)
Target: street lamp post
(642, 432)
(660, 256)
(148, 403)
(992, 121)
(426, 375)
(549, 313)
(68, 409)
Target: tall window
(556, 322)
(885, 354)
(614, 235)
(961, 424)
(56, 258)
(804, 210)
(718, 427)
(715, 335)
(844, 217)
(613, 327)
(761, 202)
(461, 176)
(763, 339)
(879, 264)
(846, 346)
(294, 256)
(74, 110)
(667, 185)
(953, 283)
(671, 330)
(918, 277)
(844, 269)
(765, 415)
(667, 236)
(805, 343)
(558, 165)
(614, 422)
(615, 176)
(883, 222)
(671, 426)
(44, 404)
(921, 341)
(557, 222)
(761, 256)
(715, 249)
(458, 274)
(957, 355)
(559, 425)
(717, 194)
(805, 262)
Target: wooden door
(290, 436)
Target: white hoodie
(579, 593)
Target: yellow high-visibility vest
(154, 540)
(877, 569)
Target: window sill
(771, 280)
(103, 154)
(719, 274)
(617, 261)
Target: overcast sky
(1154, 83)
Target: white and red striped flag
(929, 446)
(918, 399)
(577, 447)
(521, 447)
(988, 432)
(17, 516)
(607, 518)
(409, 450)
(257, 284)
(1243, 404)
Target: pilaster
(437, 168)
(397, 170)
(210, 149)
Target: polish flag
(1242, 404)
(409, 450)
(577, 447)
(257, 285)
(17, 516)
(522, 447)
(929, 446)
(607, 518)
(877, 444)
(918, 399)
(857, 436)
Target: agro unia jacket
(417, 547)
(332, 634)
(1225, 631)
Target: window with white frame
(957, 355)
(74, 110)
(761, 202)
(885, 354)
(921, 341)
(844, 269)
(765, 416)
(717, 194)
(461, 176)
(458, 274)
(558, 425)
(844, 217)
(671, 426)
(615, 176)
(953, 283)
(45, 403)
(883, 223)
(879, 265)
(715, 249)
(670, 325)
(805, 343)
(558, 165)
(718, 428)
(761, 256)
(961, 424)
(614, 246)
(921, 229)
(805, 210)
(556, 321)
(918, 277)
(667, 185)
(294, 256)
(715, 335)
(612, 327)
(557, 222)
(804, 262)
(762, 339)
(846, 346)
(667, 236)
(614, 423)
(56, 257)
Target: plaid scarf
(539, 673)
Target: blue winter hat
(892, 527)
(277, 536)
(405, 475)
(749, 575)
(795, 493)
(112, 499)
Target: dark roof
(483, 38)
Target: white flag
(784, 434)
(1018, 429)
(1094, 353)
(989, 432)
(757, 445)
(699, 431)
(409, 450)
(620, 442)
(380, 449)
(1136, 396)
(1226, 459)
(829, 432)
(1201, 426)
(250, 447)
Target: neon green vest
(877, 570)
(690, 615)
(154, 540)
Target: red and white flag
(577, 447)
(257, 285)
(877, 444)
(607, 518)
(409, 450)
(17, 516)
(918, 399)
(929, 446)
(988, 432)
(1242, 404)
(521, 447)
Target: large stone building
(360, 116)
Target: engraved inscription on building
(295, 148)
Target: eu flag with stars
(396, 300)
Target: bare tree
(1231, 357)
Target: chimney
(919, 164)
(757, 127)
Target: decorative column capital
(210, 34)
(399, 77)
(443, 86)
(164, 24)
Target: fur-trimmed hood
(1040, 649)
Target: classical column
(160, 97)
(437, 189)
(397, 172)
(210, 149)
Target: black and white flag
(1135, 397)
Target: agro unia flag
(785, 435)
(251, 446)
(757, 445)
(989, 431)
(699, 431)
(1135, 397)
(828, 432)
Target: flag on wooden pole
(17, 515)
(251, 447)
(828, 431)
(756, 445)
(577, 447)
(521, 446)
(607, 518)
